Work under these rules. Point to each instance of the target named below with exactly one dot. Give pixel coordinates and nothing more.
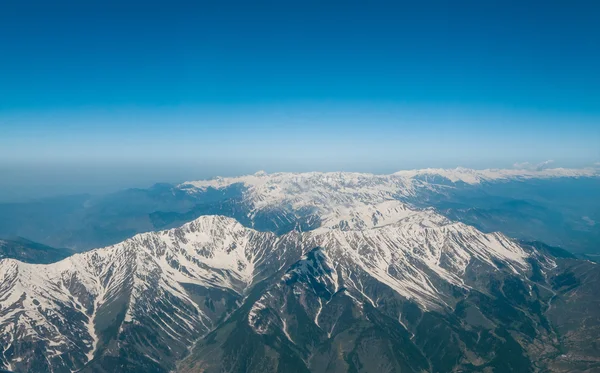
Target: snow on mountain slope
(471, 176)
(336, 200)
(355, 200)
(342, 299)
(312, 189)
(412, 255)
(143, 282)
(145, 300)
(335, 292)
(153, 283)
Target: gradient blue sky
(110, 94)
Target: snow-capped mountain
(281, 201)
(152, 280)
(330, 199)
(359, 280)
(284, 201)
(422, 294)
(334, 186)
(141, 303)
(471, 176)
(167, 287)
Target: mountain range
(315, 272)
(559, 206)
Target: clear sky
(106, 94)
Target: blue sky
(170, 90)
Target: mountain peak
(209, 223)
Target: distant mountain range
(558, 206)
(314, 272)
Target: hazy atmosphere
(105, 95)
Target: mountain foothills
(315, 272)
(31, 252)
